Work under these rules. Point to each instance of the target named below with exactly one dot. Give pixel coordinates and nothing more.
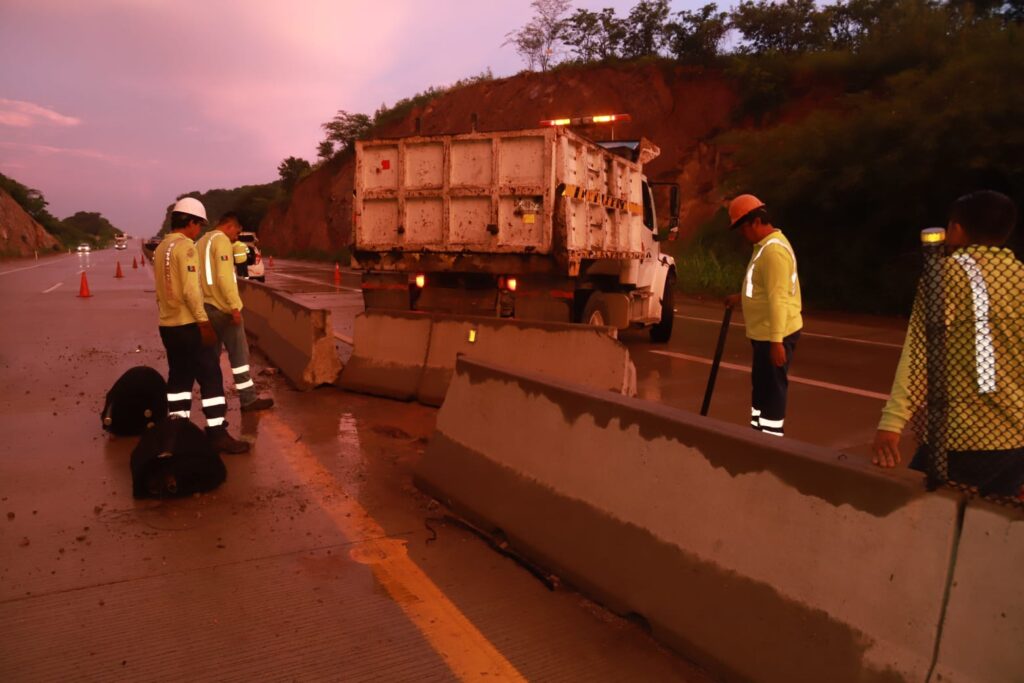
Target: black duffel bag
(137, 399)
(174, 458)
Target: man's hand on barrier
(886, 449)
(207, 332)
(236, 316)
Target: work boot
(258, 404)
(225, 443)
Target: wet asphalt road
(311, 562)
(840, 375)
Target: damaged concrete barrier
(408, 355)
(763, 559)
(591, 356)
(297, 339)
(983, 633)
(388, 354)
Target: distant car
(120, 243)
(255, 263)
(83, 247)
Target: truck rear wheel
(596, 311)
(662, 331)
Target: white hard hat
(191, 206)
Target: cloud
(78, 152)
(22, 114)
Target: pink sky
(118, 106)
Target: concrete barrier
(761, 558)
(408, 355)
(983, 633)
(388, 354)
(297, 339)
(591, 356)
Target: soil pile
(20, 234)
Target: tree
(645, 28)
(792, 26)
(325, 150)
(345, 128)
(539, 40)
(594, 35)
(695, 37)
(291, 171)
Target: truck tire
(662, 331)
(596, 311)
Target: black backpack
(137, 399)
(174, 458)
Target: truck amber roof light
(587, 120)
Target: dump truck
(539, 224)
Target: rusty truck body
(539, 224)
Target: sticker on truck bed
(601, 199)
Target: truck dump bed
(537, 193)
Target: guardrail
(761, 558)
(297, 339)
(407, 355)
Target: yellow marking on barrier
(465, 650)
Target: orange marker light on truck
(421, 281)
(511, 284)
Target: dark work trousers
(770, 385)
(188, 361)
(232, 337)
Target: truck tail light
(421, 281)
(511, 284)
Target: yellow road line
(465, 650)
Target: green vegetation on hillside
(250, 202)
(854, 184)
(88, 227)
(920, 102)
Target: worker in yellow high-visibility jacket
(982, 289)
(771, 311)
(223, 305)
(185, 329)
(241, 256)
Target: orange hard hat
(741, 207)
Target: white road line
(318, 282)
(347, 340)
(799, 380)
(47, 291)
(38, 265)
(803, 333)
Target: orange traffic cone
(83, 288)
(135, 264)
(337, 274)
(118, 273)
